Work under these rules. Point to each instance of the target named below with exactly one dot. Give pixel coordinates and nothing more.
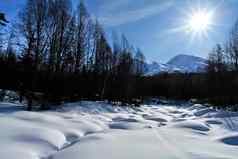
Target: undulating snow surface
(95, 130)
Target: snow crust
(96, 130)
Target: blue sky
(151, 24)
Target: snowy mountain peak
(189, 63)
(180, 63)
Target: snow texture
(180, 63)
(96, 130)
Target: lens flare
(200, 21)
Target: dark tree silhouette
(66, 56)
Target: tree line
(55, 53)
(218, 85)
(222, 70)
(62, 53)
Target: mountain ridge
(181, 63)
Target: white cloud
(118, 13)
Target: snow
(188, 63)
(96, 130)
(193, 125)
(157, 68)
(230, 140)
(180, 63)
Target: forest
(57, 53)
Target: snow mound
(127, 125)
(44, 136)
(158, 119)
(179, 120)
(230, 140)
(127, 120)
(116, 145)
(221, 114)
(204, 111)
(193, 125)
(214, 121)
(176, 112)
(22, 139)
(99, 130)
(68, 126)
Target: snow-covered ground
(95, 130)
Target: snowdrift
(95, 130)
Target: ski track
(168, 145)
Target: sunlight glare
(200, 21)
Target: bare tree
(116, 51)
(233, 47)
(70, 42)
(84, 34)
(139, 62)
(59, 18)
(40, 16)
(26, 27)
(32, 26)
(216, 60)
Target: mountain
(157, 68)
(188, 63)
(180, 63)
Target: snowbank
(193, 125)
(97, 130)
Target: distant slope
(157, 68)
(180, 63)
(189, 63)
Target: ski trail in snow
(168, 145)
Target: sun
(196, 22)
(200, 22)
